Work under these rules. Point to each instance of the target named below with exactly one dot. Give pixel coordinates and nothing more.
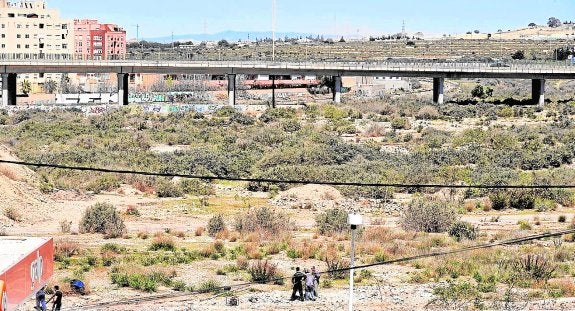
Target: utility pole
(172, 40)
(274, 30)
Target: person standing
(40, 300)
(57, 297)
(296, 280)
(316, 276)
(309, 285)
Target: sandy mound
(17, 189)
(309, 197)
(312, 193)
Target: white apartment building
(28, 30)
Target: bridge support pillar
(123, 86)
(438, 89)
(232, 89)
(538, 91)
(337, 89)
(9, 89)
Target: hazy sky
(162, 17)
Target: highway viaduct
(439, 71)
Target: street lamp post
(274, 30)
(354, 221)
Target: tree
(476, 31)
(26, 87)
(532, 25)
(518, 55)
(342, 40)
(50, 86)
(223, 43)
(554, 22)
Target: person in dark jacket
(57, 297)
(297, 281)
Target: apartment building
(95, 40)
(28, 29)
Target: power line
(283, 181)
(388, 262)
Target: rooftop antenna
(403, 33)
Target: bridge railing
(395, 64)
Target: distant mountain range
(233, 36)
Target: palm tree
(26, 87)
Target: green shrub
(167, 189)
(524, 225)
(499, 200)
(209, 286)
(332, 221)
(463, 230)
(562, 218)
(522, 200)
(399, 123)
(428, 216)
(196, 187)
(179, 286)
(163, 242)
(104, 183)
(102, 218)
(216, 224)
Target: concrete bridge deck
(439, 71)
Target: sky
(157, 18)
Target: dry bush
(253, 251)
(242, 263)
(13, 214)
(223, 235)
(163, 242)
(65, 249)
(199, 231)
(378, 234)
(307, 249)
(263, 219)
(428, 113)
(216, 224)
(144, 187)
(431, 216)
(144, 235)
(180, 234)
(9, 173)
(65, 226)
(375, 130)
(263, 271)
(335, 262)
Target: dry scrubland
(131, 236)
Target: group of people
(41, 303)
(309, 280)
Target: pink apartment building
(93, 40)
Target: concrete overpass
(439, 71)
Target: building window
(64, 46)
(3, 25)
(18, 36)
(64, 26)
(3, 46)
(11, 15)
(3, 35)
(18, 46)
(27, 46)
(27, 36)
(41, 26)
